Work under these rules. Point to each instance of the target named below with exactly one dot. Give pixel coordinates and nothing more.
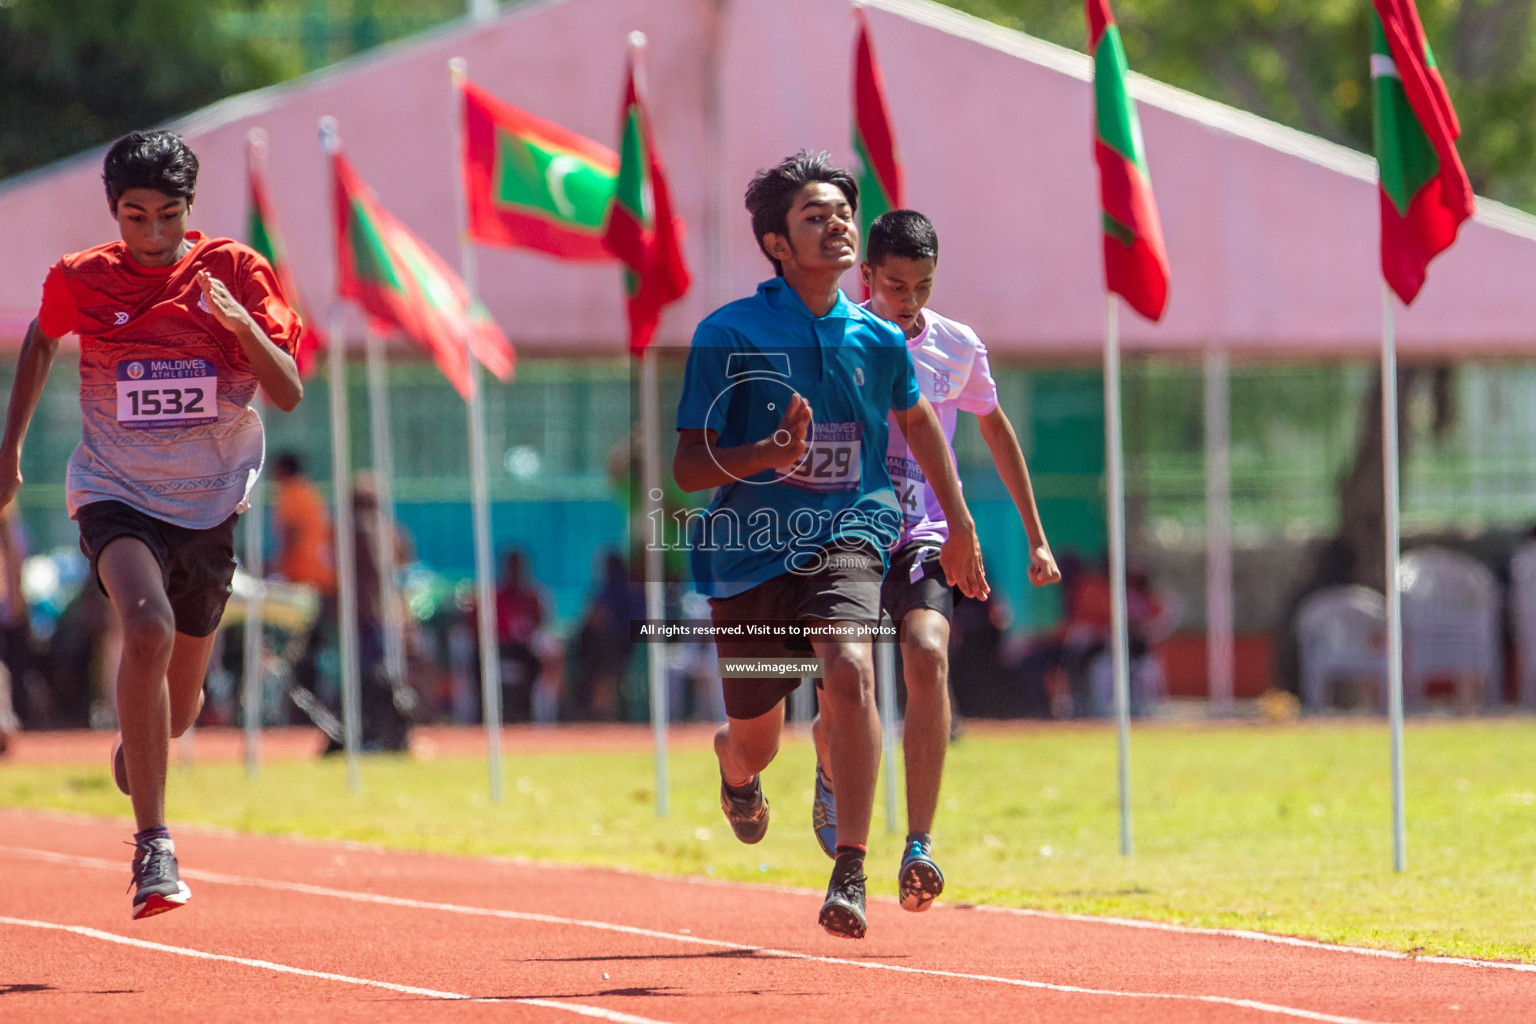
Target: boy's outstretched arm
(32, 367)
(1003, 443)
(961, 554)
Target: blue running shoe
(919, 881)
(824, 815)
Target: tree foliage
(78, 73)
(1306, 64)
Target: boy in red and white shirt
(901, 257)
(176, 333)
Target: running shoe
(843, 912)
(748, 815)
(120, 767)
(824, 815)
(157, 884)
(919, 881)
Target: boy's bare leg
(745, 746)
(852, 724)
(185, 676)
(925, 737)
(131, 576)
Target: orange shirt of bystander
(304, 535)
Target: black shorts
(847, 589)
(911, 584)
(196, 566)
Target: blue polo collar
(781, 297)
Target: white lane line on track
(613, 1016)
(1241, 933)
(198, 875)
(71, 818)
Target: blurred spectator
(693, 676)
(1086, 653)
(603, 646)
(304, 556)
(387, 702)
(978, 681)
(519, 618)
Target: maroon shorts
(846, 589)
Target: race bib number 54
(833, 461)
(158, 394)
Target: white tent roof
(1272, 234)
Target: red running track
(294, 930)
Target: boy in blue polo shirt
(784, 410)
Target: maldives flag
(1135, 263)
(402, 285)
(1425, 194)
(261, 235)
(531, 183)
(879, 179)
(642, 231)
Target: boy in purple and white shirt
(952, 373)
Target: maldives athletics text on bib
(833, 460)
(160, 394)
(908, 480)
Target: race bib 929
(833, 461)
(159, 394)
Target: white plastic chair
(1341, 632)
(1522, 608)
(1452, 614)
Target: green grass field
(1283, 829)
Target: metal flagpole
(655, 608)
(650, 458)
(1218, 531)
(885, 680)
(341, 487)
(384, 470)
(346, 557)
(251, 684)
(1114, 472)
(485, 594)
(1394, 599)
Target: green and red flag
(402, 285)
(262, 235)
(533, 184)
(642, 231)
(1135, 262)
(1425, 194)
(874, 143)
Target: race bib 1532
(158, 394)
(833, 461)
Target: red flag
(880, 181)
(262, 235)
(1135, 262)
(531, 183)
(641, 230)
(1425, 194)
(401, 284)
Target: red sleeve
(262, 297)
(58, 314)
